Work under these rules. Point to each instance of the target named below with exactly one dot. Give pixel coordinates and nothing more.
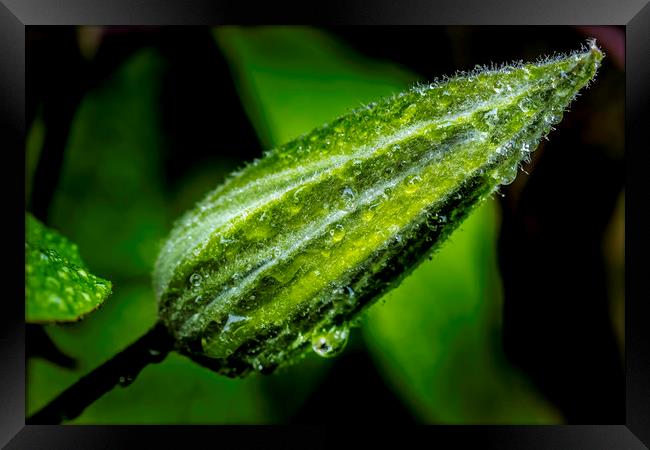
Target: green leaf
(291, 249)
(437, 337)
(58, 286)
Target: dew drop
(195, 279)
(225, 240)
(491, 117)
(125, 380)
(507, 175)
(412, 183)
(525, 104)
(348, 194)
(552, 118)
(337, 233)
(330, 343)
(393, 229)
(408, 112)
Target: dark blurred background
(113, 157)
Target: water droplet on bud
(195, 279)
(412, 183)
(330, 343)
(125, 380)
(337, 233)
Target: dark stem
(122, 369)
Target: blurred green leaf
(293, 79)
(437, 337)
(58, 286)
(110, 198)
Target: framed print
(246, 223)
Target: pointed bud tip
(593, 52)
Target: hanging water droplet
(330, 343)
(195, 279)
(154, 352)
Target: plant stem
(122, 369)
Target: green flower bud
(282, 258)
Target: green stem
(122, 369)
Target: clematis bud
(285, 255)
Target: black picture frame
(15, 15)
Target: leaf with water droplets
(303, 240)
(58, 286)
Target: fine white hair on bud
(281, 258)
